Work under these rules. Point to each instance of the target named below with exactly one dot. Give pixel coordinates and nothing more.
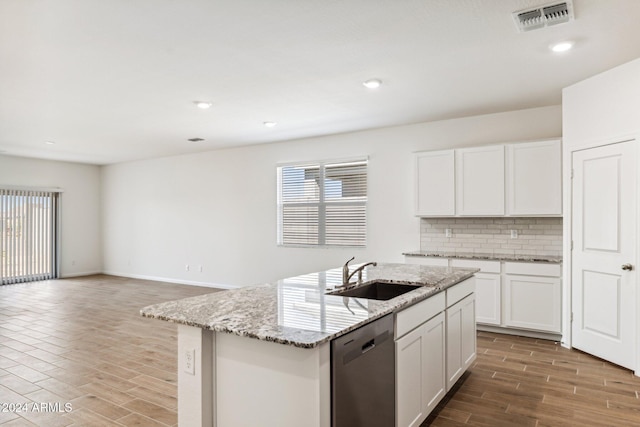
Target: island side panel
(196, 367)
(260, 383)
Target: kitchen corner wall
(535, 236)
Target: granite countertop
(484, 256)
(296, 311)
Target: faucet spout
(345, 271)
(346, 275)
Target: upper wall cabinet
(534, 178)
(480, 181)
(500, 180)
(435, 186)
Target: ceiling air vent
(543, 16)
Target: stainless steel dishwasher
(363, 376)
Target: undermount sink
(376, 290)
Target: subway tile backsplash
(535, 236)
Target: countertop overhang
(297, 311)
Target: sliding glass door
(28, 235)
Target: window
(28, 235)
(323, 204)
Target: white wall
(81, 243)
(604, 108)
(218, 209)
(600, 110)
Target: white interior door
(604, 252)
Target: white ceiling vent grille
(543, 16)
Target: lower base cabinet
(461, 338)
(519, 296)
(435, 344)
(488, 299)
(533, 303)
(420, 375)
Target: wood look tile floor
(82, 341)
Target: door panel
(601, 204)
(601, 300)
(604, 199)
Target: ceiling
(113, 81)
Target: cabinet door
(435, 183)
(534, 178)
(461, 338)
(480, 181)
(488, 298)
(434, 384)
(410, 369)
(420, 372)
(533, 303)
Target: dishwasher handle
(359, 350)
(369, 345)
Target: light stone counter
(485, 256)
(297, 312)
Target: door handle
(627, 267)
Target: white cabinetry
(488, 289)
(522, 179)
(522, 296)
(461, 331)
(435, 344)
(420, 360)
(533, 297)
(534, 178)
(435, 183)
(480, 181)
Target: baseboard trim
(170, 280)
(84, 273)
(520, 332)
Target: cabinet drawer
(426, 260)
(484, 266)
(533, 269)
(461, 290)
(412, 317)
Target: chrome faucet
(346, 276)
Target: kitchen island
(260, 355)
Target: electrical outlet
(190, 361)
(514, 234)
(447, 232)
(186, 267)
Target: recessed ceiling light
(372, 83)
(50, 142)
(561, 47)
(270, 124)
(202, 104)
(195, 139)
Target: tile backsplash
(535, 236)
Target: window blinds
(323, 204)
(28, 235)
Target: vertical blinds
(323, 204)
(28, 235)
